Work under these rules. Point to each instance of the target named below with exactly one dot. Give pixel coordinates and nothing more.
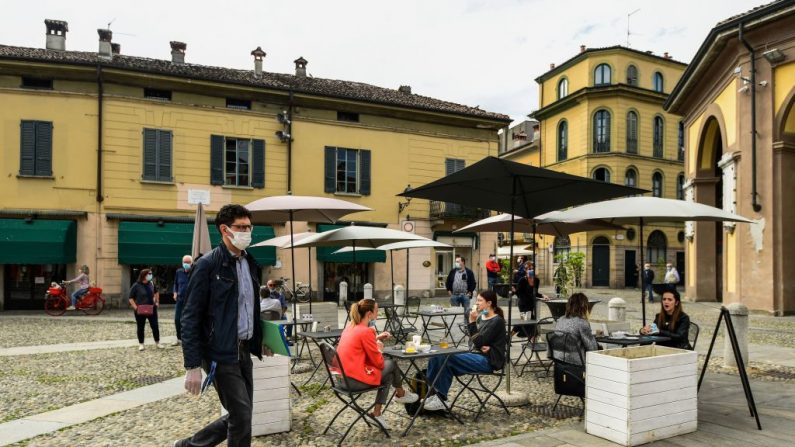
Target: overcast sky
(474, 52)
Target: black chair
(692, 335)
(340, 385)
(569, 376)
(397, 325)
(489, 389)
(534, 346)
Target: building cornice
(596, 92)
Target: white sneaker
(70, 308)
(434, 403)
(176, 343)
(380, 420)
(141, 347)
(408, 398)
(159, 346)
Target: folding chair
(340, 385)
(397, 325)
(569, 376)
(481, 387)
(692, 335)
(534, 346)
(412, 305)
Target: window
(238, 104)
(36, 83)
(658, 82)
(237, 161)
(656, 247)
(632, 75)
(35, 149)
(563, 140)
(601, 174)
(563, 88)
(680, 142)
(680, 186)
(347, 171)
(601, 75)
(157, 155)
(348, 116)
(658, 136)
(631, 178)
(656, 184)
(562, 247)
(601, 131)
(157, 94)
(632, 133)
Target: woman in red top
(360, 353)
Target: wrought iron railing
(448, 210)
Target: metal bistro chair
(569, 376)
(534, 346)
(340, 385)
(489, 390)
(692, 335)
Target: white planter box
(272, 411)
(641, 394)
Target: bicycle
(56, 300)
(301, 293)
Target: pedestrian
(274, 293)
(648, 281)
(180, 284)
(520, 271)
(460, 283)
(145, 301)
(83, 282)
(671, 278)
(492, 271)
(221, 329)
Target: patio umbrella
(201, 234)
(283, 242)
(517, 189)
(281, 209)
(642, 210)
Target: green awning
(38, 241)
(325, 254)
(151, 243)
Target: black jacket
(648, 276)
(489, 333)
(471, 283)
(209, 321)
(527, 293)
(678, 335)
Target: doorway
(680, 267)
(631, 269)
(601, 262)
(26, 284)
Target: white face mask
(241, 239)
(458, 265)
(149, 277)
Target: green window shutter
(27, 148)
(364, 174)
(258, 163)
(216, 160)
(329, 184)
(150, 154)
(165, 155)
(449, 166)
(43, 148)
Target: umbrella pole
(510, 281)
(309, 264)
(643, 276)
(407, 276)
(354, 271)
(292, 262)
(392, 275)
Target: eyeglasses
(246, 228)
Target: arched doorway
(600, 264)
(709, 191)
(656, 248)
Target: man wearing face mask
(180, 286)
(492, 271)
(460, 283)
(220, 324)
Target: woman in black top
(143, 293)
(672, 321)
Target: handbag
(145, 310)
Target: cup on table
(416, 339)
(443, 343)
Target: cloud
(585, 31)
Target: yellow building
(601, 116)
(105, 155)
(737, 98)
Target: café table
(630, 340)
(557, 308)
(398, 354)
(331, 336)
(426, 315)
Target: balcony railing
(447, 210)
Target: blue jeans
(650, 290)
(462, 300)
(457, 365)
(178, 316)
(77, 294)
(493, 281)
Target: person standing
(180, 284)
(221, 326)
(83, 282)
(648, 281)
(521, 269)
(460, 283)
(671, 278)
(143, 293)
(492, 271)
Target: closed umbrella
(201, 234)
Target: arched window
(632, 132)
(563, 140)
(680, 186)
(656, 184)
(562, 247)
(658, 82)
(656, 247)
(601, 240)
(680, 146)
(601, 131)
(601, 174)
(631, 178)
(659, 136)
(563, 88)
(632, 75)
(601, 75)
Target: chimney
(552, 66)
(178, 52)
(56, 34)
(583, 48)
(115, 48)
(105, 37)
(300, 67)
(259, 55)
(405, 89)
(666, 55)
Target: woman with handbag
(144, 302)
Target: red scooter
(57, 300)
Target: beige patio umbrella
(201, 234)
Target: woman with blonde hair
(575, 322)
(363, 362)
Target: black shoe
(289, 343)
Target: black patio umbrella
(518, 189)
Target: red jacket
(493, 267)
(359, 354)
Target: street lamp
(403, 205)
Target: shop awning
(38, 241)
(326, 254)
(151, 243)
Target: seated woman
(487, 341)
(575, 322)
(364, 363)
(672, 321)
(270, 308)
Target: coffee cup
(416, 339)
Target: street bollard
(399, 294)
(739, 316)
(617, 309)
(343, 293)
(368, 291)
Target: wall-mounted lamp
(403, 205)
(773, 56)
(283, 136)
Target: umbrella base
(513, 399)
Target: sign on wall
(197, 196)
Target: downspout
(290, 145)
(754, 195)
(100, 93)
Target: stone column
(343, 292)
(739, 316)
(399, 293)
(617, 309)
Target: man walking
(180, 286)
(492, 271)
(671, 278)
(460, 283)
(221, 329)
(648, 280)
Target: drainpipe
(100, 92)
(290, 145)
(754, 195)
